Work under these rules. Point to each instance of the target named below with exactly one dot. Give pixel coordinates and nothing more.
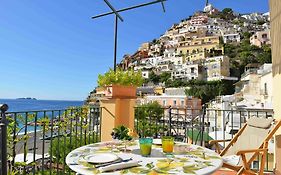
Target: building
(266, 85)
(275, 32)
(198, 20)
(210, 9)
(255, 87)
(144, 46)
(217, 68)
(209, 44)
(260, 38)
(187, 72)
(195, 56)
(229, 36)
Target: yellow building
(196, 45)
(217, 68)
(194, 57)
(275, 25)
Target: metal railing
(37, 142)
(196, 126)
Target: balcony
(38, 141)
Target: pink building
(260, 38)
(197, 20)
(181, 104)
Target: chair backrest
(252, 137)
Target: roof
(146, 90)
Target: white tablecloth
(204, 160)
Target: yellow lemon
(152, 173)
(162, 164)
(176, 164)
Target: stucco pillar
(275, 23)
(116, 112)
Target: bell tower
(207, 3)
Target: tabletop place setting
(143, 156)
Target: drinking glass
(145, 146)
(168, 144)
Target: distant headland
(26, 98)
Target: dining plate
(98, 158)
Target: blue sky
(54, 50)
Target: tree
(154, 78)
(227, 14)
(165, 76)
(207, 91)
(148, 119)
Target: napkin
(119, 166)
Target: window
(264, 36)
(192, 70)
(164, 102)
(255, 164)
(215, 66)
(182, 103)
(175, 102)
(265, 88)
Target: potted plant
(121, 133)
(120, 84)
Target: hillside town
(201, 48)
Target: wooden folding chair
(250, 141)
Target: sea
(19, 105)
(26, 105)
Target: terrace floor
(229, 172)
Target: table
(187, 159)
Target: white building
(187, 72)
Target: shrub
(124, 78)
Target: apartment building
(229, 36)
(195, 45)
(188, 72)
(260, 38)
(217, 68)
(195, 56)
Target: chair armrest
(251, 150)
(217, 141)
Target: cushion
(264, 123)
(232, 160)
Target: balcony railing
(197, 126)
(40, 140)
(37, 142)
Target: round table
(186, 159)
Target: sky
(54, 50)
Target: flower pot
(118, 91)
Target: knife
(114, 162)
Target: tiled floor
(228, 172)
(224, 172)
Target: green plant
(64, 145)
(121, 133)
(120, 77)
(148, 118)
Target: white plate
(157, 142)
(101, 158)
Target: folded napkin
(119, 166)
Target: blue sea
(18, 105)
(25, 105)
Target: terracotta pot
(118, 91)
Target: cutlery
(114, 162)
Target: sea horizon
(19, 105)
(32, 98)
